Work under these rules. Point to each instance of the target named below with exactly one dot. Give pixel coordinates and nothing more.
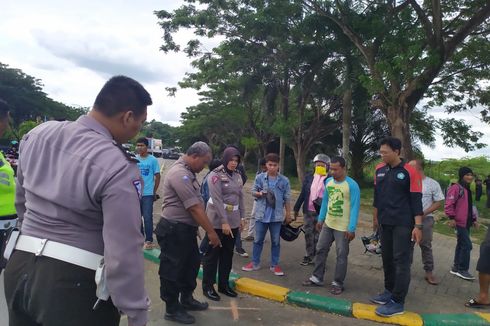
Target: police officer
(226, 211)
(8, 218)
(78, 201)
(182, 213)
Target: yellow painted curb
(261, 289)
(485, 316)
(366, 311)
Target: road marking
(234, 309)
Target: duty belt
(59, 251)
(228, 207)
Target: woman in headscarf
(226, 211)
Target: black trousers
(179, 262)
(219, 259)
(49, 292)
(396, 252)
(3, 238)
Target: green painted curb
(318, 302)
(453, 319)
(154, 256)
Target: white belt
(229, 208)
(7, 224)
(60, 251)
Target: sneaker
(453, 271)
(465, 275)
(277, 271)
(241, 252)
(382, 298)
(249, 238)
(148, 245)
(391, 308)
(306, 261)
(250, 267)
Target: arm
(452, 198)
(216, 194)
(157, 183)
(437, 197)
(355, 204)
(301, 198)
(156, 173)
(432, 208)
(257, 187)
(324, 207)
(122, 244)
(20, 198)
(287, 202)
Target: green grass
(477, 235)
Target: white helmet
(321, 158)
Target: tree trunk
(282, 153)
(346, 121)
(399, 122)
(300, 158)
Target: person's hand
(451, 223)
(242, 226)
(476, 225)
(214, 240)
(259, 194)
(318, 226)
(226, 229)
(288, 220)
(349, 235)
(417, 235)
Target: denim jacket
(282, 191)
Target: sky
(75, 46)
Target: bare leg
(484, 280)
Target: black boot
(180, 316)
(191, 304)
(226, 290)
(210, 293)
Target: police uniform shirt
(76, 186)
(225, 189)
(397, 194)
(180, 192)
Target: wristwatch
(419, 226)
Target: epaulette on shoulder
(129, 156)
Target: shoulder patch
(214, 179)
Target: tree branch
(479, 17)
(444, 78)
(425, 22)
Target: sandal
(336, 290)
(472, 303)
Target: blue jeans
(260, 232)
(146, 205)
(463, 250)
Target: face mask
(321, 170)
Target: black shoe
(227, 291)
(191, 304)
(211, 294)
(180, 316)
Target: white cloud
(74, 46)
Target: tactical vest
(7, 188)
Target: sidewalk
(365, 274)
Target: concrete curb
(339, 306)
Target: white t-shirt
(431, 192)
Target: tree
(269, 46)
(414, 49)
(28, 101)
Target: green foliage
(28, 101)
(159, 130)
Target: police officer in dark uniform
(8, 217)
(182, 213)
